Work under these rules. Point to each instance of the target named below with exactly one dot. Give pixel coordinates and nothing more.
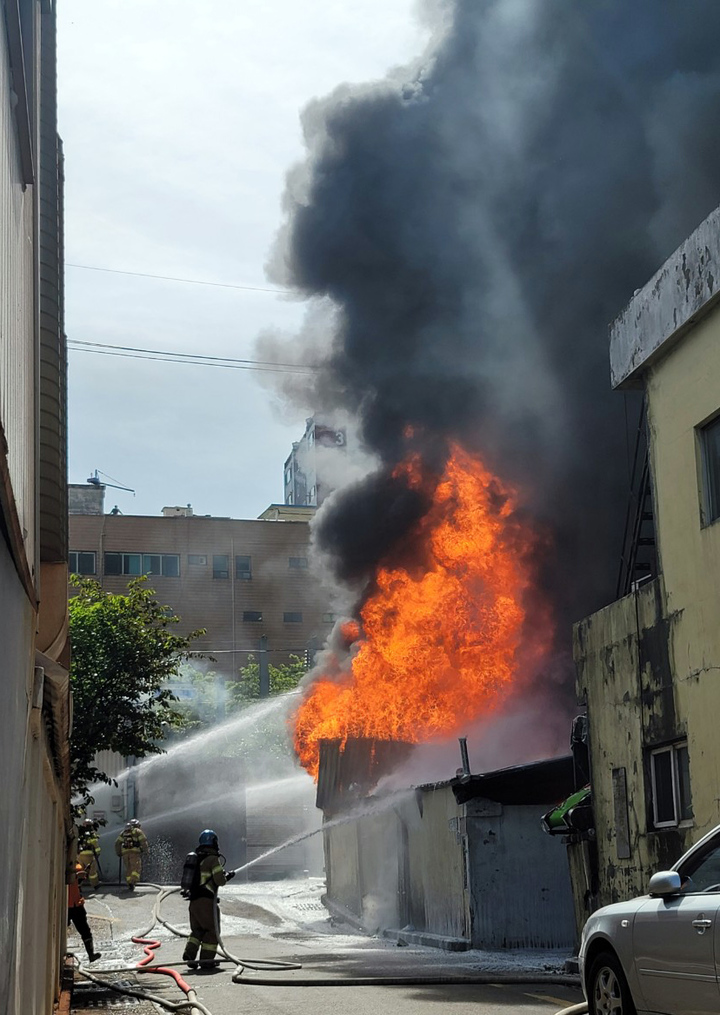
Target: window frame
(298, 566)
(243, 574)
(78, 554)
(197, 560)
(292, 617)
(252, 617)
(709, 478)
(125, 572)
(221, 573)
(678, 821)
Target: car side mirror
(665, 883)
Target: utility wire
(188, 281)
(196, 359)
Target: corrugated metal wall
(519, 879)
(402, 865)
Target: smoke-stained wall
(474, 222)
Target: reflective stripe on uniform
(205, 876)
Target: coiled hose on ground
(193, 1005)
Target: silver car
(659, 953)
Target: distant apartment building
(311, 467)
(247, 582)
(35, 818)
(647, 664)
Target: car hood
(620, 908)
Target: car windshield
(703, 868)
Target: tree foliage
(123, 650)
(246, 689)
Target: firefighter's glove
(229, 875)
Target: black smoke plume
(476, 221)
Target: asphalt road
(285, 921)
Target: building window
(298, 563)
(166, 565)
(292, 618)
(124, 563)
(132, 565)
(197, 559)
(81, 562)
(252, 616)
(221, 566)
(243, 568)
(710, 453)
(171, 565)
(328, 618)
(670, 775)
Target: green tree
(123, 650)
(246, 690)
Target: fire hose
(193, 1005)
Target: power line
(196, 359)
(188, 281)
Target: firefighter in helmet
(130, 845)
(204, 912)
(89, 850)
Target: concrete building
(35, 820)
(246, 581)
(647, 665)
(458, 864)
(312, 464)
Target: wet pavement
(285, 922)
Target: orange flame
(439, 648)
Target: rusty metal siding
(519, 879)
(17, 314)
(218, 604)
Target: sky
(179, 122)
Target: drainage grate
(91, 997)
(310, 907)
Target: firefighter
(130, 845)
(88, 851)
(77, 915)
(204, 911)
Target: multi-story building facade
(35, 820)
(648, 664)
(311, 466)
(247, 582)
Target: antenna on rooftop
(96, 481)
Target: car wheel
(608, 991)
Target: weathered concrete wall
(17, 312)
(34, 719)
(86, 499)
(683, 391)
(648, 665)
(17, 622)
(625, 677)
(676, 297)
(32, 820)
(519, 879)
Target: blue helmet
(208, 838)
